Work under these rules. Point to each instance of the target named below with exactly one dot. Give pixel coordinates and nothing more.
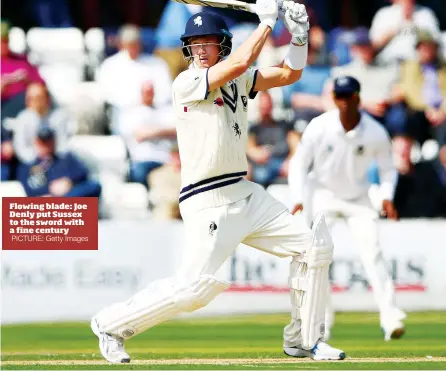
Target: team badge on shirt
(212, 228)
(360, 150)
(237, 130)
(245, 102)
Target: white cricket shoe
(394, 331)
(392, 324)
(321, 352)
(112, 347)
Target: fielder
(220, 208)
(338, 147)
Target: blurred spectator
(165, 186)
(271, 145)
(55, 175)
(394, 29)
(7, 154)
(376, 81)
(419, 192)
(147, 131)
(305, 95)
(168, 33)
(341, 36)
(122, 75)
(422, 87)
(16, 74)
(38, 113)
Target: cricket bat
(229, 4)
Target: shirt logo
(219, 102)
(212, 228)
(360, 150)
(237, 130)
(198, 21)
(245, 102)
(330, 148)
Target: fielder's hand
(296, 21)
(268, 11)
(389, 210)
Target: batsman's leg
(285, 235)
(323, 201)
(365, 232)
(309, 285)
(211, 236)
(160, 301)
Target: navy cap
(346, 85)
(45, 133)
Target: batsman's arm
(296, 21)
(240, 60)
(271, 77)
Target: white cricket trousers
(212, 235)
(361, 219)
(259, 221)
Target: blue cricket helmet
(205, 24)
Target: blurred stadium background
(96, 76)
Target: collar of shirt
(354, 133)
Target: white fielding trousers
(361, 219)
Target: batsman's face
(205, 50)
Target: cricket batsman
(338, 147)
(220, 208)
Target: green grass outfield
(238, 342)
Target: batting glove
(296, 21)
(267, 11)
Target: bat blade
(228, 4)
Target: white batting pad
(160, 301)
(309, 286)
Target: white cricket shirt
(212, 132)
(339, 160)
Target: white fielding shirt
(212, 132)
(339, 160)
